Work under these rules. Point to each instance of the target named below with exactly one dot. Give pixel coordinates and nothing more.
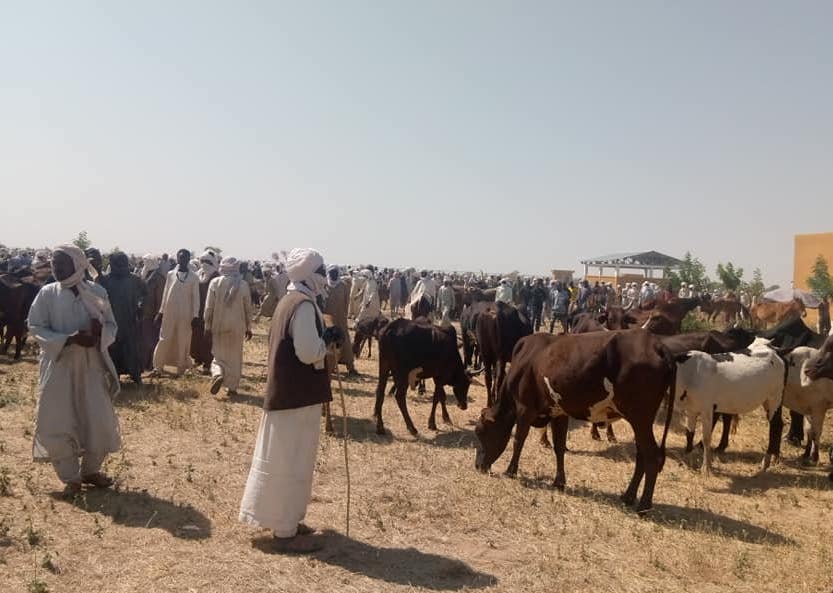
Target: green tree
(691, 271)
(729, 275)
(757, 286)
(820, 281)
(82, 241)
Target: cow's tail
(671, 361)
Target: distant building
(807, 249)
(565, 276)
(636, 266)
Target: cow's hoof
(447, 419)
(414, 432)
(628, 498)
(510, 473)
(380, 430)
(612, 439)
(595, 436)
(721, 448)
(559, 484)
(794, 440)
(432, 426)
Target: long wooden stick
(344, 437)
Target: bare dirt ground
(422, 517)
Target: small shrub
(5, 482)
(33, 537)
(37, 586)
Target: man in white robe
(228, 311)
(178, 314)
(279, 485)
(370, 307)
(446, 301)
(72, 321)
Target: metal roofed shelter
(646, 261)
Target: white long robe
(228, 322)
(74, 415)
(370, 307)
(279, 485)
(180, 305)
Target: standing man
(369, 298)
(560, 306)
(178, 315)
(126, 292)
(503, 294)
(228, 314)
(445, 301)
(336, 305)
(154, 279)
(72, 321)
(280, 481)
(536, 303)
(396, 294)
(200, 343)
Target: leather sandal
(98, 480)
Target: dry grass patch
(423, 518)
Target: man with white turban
(336, 306)
(228, 311)
(369, 307)
(154, 279)
(72, 321)
(178, 315)
(446, 301)
(200, 342)
(280, 481)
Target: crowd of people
(96, 318)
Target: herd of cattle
(612, 365)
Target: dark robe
(126, 291)
(155, 282)
(200, 343)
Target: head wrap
(208, 265)
(301, 265)
(332, 271)
(119, 264)
(230, 268)
(95, 305)
(150, 262)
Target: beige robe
(228, 322)
(180, 305)
(74, 415)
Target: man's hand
(248, 335)
(82, 338)
(195, 323)
(333, 336)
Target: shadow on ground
(402, 566)
(692, 519)
(140, 509)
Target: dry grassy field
(422, 517)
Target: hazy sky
(458, 135)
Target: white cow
(732, 383)
(810, 398)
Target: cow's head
(739, 337)
(615, 318)
(820, 366)
(493, 430)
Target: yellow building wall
(807, 249)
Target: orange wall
(807, 249)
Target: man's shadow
(140, 509)
(403, 566)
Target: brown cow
(410, 350)
(367, 329)
(497, 331)
(595, 377)
(733, 311)
(16, 298)
(666, 319)
(771, 312)
(613, 318)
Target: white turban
(301, 263)
(95, 305)
(150, 263)
(230, 267)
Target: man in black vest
(280, 481)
